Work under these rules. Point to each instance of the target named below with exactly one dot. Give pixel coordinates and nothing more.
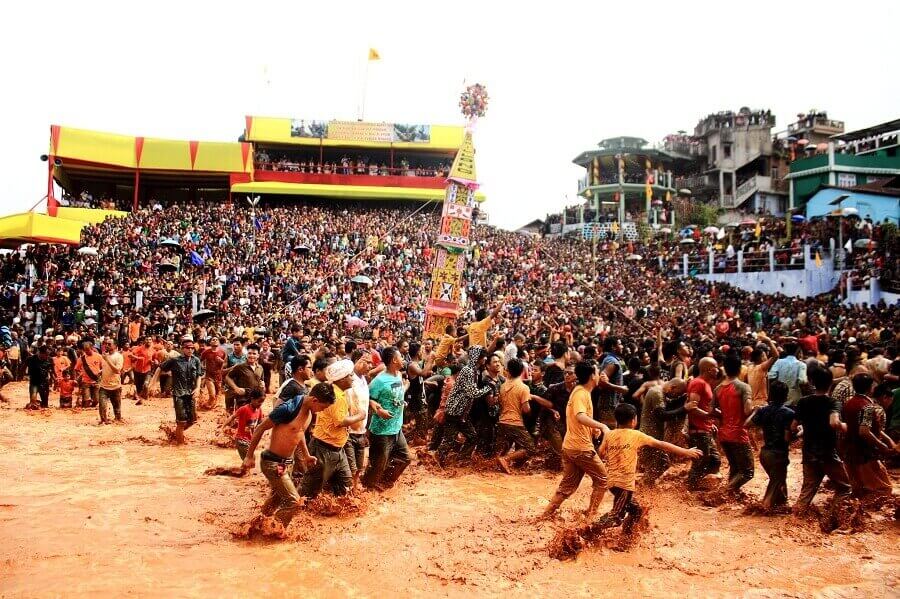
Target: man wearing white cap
(329, 436)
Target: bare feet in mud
(503, 463)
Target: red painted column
(137, 184)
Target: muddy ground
(88, 510)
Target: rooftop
(888, 127)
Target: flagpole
(362, 112)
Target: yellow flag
(818, 260)
(758, 229)
(648, 191)
(373, 54)
(615, 227)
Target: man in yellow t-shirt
(578, 453)
(483, 322)
(620, 450)
(329, 436)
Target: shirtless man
(288, 422)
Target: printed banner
(305, 128)
(360, 131)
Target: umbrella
(802, 142)
(633, 257)
(688, 240)
(166, 267)
(684, 192)
(657, 202)
(864, 242)
(355, 322)
(686, 231)
(87, 251)
(301, 248)
(170, 243)
(711, 229)
(792, 138)
(798, 218)
(202, 315)
(362, 280)
(665, 230)
(748, 222)
(849, 211)
(733, 224)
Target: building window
(713, 154)
(726, 150)
(846, 180)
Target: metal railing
(315, 168)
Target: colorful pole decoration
(453, 238)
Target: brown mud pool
(91, 511)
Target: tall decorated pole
(453, 238)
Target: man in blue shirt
(388, 453)
(790, 371)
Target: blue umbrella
(798, 218)
(686, 231)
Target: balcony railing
(825, 125)
(697, 182)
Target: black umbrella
(301, 249)
(202, 315)
(166, 267)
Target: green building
(850, 160)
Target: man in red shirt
(248, 417)
(701, 427)
(810, 344)
(733, 399)
(213, 360)
(864, 441)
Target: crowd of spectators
(360, 165)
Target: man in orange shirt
(578, 451)
(88, 367)
(61, 363)
(141, 357)
(483, 322)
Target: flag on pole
(758, 229)
(373, 54)
(818, 260)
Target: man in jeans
(464, 393)
(388, 453)
(329, 436)
(701, 428)
(820, 416)
(288, 422)
(187, 373)
(111, 382)
(40, 371)
(733, 399)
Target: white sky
(561, 75)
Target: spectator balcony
(381, 177)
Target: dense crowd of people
(603, 365)
(360, 165)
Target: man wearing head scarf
(330, 434)
(465, 392)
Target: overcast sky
(561, 75)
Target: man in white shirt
(512, 350)
(358, 401)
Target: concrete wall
(794, 283)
